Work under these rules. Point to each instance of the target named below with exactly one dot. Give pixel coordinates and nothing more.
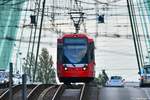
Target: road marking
(139, 98)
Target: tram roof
(76, 35)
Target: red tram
(75, 58)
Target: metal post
(96, 10)
(53, 14)
(77, 27)
(29, 51)
(39, 39)
(10, 81)
(24, 87)
(34, 36)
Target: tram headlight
(84, 68)
(2, 81)
(66, 68)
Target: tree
(45, 69)
(101, 79)
(28, 65)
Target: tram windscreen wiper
(73, 65)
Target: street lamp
(77, 17)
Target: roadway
(125, 93)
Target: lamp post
(77, 17)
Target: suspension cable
(144, 28)
(133, 33)
(137, 36)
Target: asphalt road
(126, 93)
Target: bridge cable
(144, 28)
(133, 33)
(147, 29)
(138, 37)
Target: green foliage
(45, 70)
(28, 65)
(100, 80)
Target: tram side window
(92, 56)
(59, 53)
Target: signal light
(33, 19)
(100, 18)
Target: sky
(115, 55)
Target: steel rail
(5, 95)
(43, 94)
(34, 94)
(83, 92)
(58, 92)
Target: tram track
(52, 92)
(83, 93)
(48, 93)
(3, 91)
(16, 92)
(5, 95)
(71, 92)
(59, 92)
(89, 92)
(35, 93)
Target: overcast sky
(116, 55)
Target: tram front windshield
(75, 50)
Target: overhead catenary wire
(94, 19)
(94, 14)
(110, 4)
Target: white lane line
(6, 30)
(140, 98)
